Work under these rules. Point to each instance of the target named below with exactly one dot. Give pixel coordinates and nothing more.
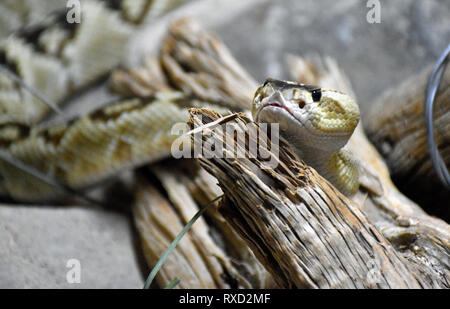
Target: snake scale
(194, 69)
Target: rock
(37, 243)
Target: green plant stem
(174, 243)
(172, 283)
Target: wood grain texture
(396, 125)
(422, 239)
(306, 233)
(211, 255)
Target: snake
(195, 69)
(317, 123)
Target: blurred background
(410, 35)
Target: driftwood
(197, 63)
(421, 238)
(396, 125)
(211, 255)
(378, 239)
(304, 231)
(158, 226)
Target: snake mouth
(273, 104)
(277, 105)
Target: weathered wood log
(158, 224)
(203, 188)
(197, 63)
(306, 233)
(396, 125)
(211, 255)
(416, 237)
(422, 239)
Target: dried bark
(213, 255)
(158, 224)
(304, 231)
(343, 248)
(198, 63)
(422, 239)
(396, 125)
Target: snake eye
(316, 95)
(267, 81)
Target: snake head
(310, 118)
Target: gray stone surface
(36, 243)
